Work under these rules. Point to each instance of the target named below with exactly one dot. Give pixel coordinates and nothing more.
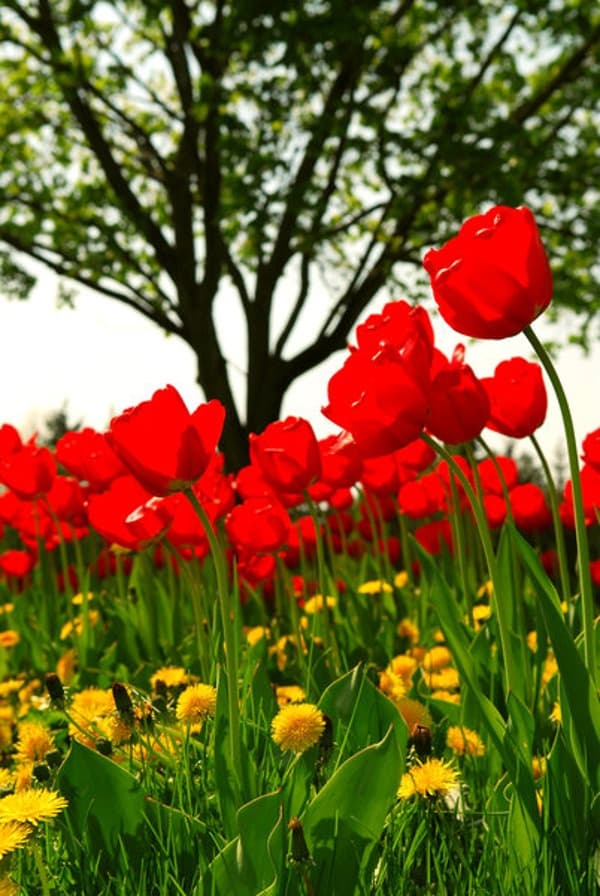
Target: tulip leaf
(361, 713)
(251, 863)
(345, 820)
(110, 815)
(579, 701)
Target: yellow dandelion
(407, 629)
(12, 836)
(78, 623)
(7, 779)
(10, 686)
(539, 765)
(392, 685)
(34, 741)
(256, 633)
(464, 741)
(431, 778)
(196, 703)
(289, 693)
(404, 666)
(437, 658)
(532, 641)
(317, 602)
(7, 608)
(550, 669)
(170, 676)
(31, 806)
(439, 637)
(486, 590)
(447, 696)
(375, 586)
(401, 579)
(65, 667)
(446, 680)
(8, 887)
(88, 707)
(413, 712)
(9, 638)
(556, 714)
(23, 776)
(298, 726)
(480, 613)
(78, 599)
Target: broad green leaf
(360, 713)
(345, 820)
(579, 701)
(251, 862)
(111, 815)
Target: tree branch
(566, 73)
(83, 114)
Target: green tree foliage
(166, 153)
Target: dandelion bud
(122, 699)
(299, 852)
(104, 746)
(420, 739)
(41, 771)
(55, 688)
(53, 758)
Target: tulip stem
(583, 566)
(511, 677)
(228, 635)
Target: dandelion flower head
(196, 703)
(298, 726)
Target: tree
(163, 152)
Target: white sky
(103, 357)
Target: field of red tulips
(361, 664)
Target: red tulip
(108, 512)
(458, 404)
(591, 449)
(489, 477)
(380, 393)
(10, 440)
(340, 460)
(495, 510)
(287, 454)
(165, 447)
(518, 400)
(435, 537)
(529, 507)
(259, 525)
(422, 497)
(88, 456)
(492, 279)
(381, 400)
(29, 472)
(16, 563)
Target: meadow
(362, 664)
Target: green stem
(511, 678)
(39, 864)
(565, 584)
(583, 553)
(328, 626)
(228, 635)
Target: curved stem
(583, 553)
